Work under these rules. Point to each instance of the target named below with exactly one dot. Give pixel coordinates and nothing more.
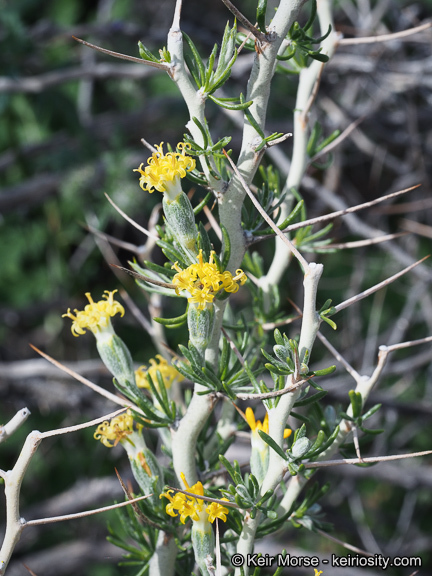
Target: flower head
(118, 430)
(256, 425)
(216, 510)
(168, 373)
(203, 281)
(187, 506)
(165, 170)
(96, 315)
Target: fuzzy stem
(163, 560)
(308, 78)
(13, 480)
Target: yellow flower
(187, 506)
(256, 425)
(96, 315)
(118, 430)
(203, 281)
(216, 510)
(165, 170)
(168, 373)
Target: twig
(233, 347)
(278, 140)
(14, 423)
(357, 377)
(370, 291)
(338, 140)
(135, 224)
(407, 344)
(241, 18)
(356, 442)
(88, 383)
(365, 460)
(76, 427)
(82, 514)
(149, 146)
(273, 325)
(313, 94)
(416, 227)
(344, 544)
(266, 217)
(348, 210)
(112, 240)
(361, 243)
(29, 570)
(162, 66)
(384, 37)
(144, 278)
(275, 393)
(213, 222)
(137, 312)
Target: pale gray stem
(13, 424)
(185, 437)
(307, 81)
(13, 480)
(162, 562)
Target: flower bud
(116, 356)
(181, 219)
(200, 325)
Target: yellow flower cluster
(111, 433)
(256, 425)
(96, 315)
(164, 170)
(203, 281)
(168, 373)
(186, 506)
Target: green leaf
(356, 403)
(310, 399)
(318, 56)
(198, 208)
(327, 443)
(260, 15)
(324, 371)
(330, 322)
(209, 68)
(170, 322)
(371, 412)
(312, 16)
(227, 247)
(145, 53)
(223, 103)
(196, 59)
(269, 440)
(204, 242)
(252, 120)
(202, 130)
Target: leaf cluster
(301, 448)
(245, 491)
(357, 417)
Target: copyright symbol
(237, 560)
